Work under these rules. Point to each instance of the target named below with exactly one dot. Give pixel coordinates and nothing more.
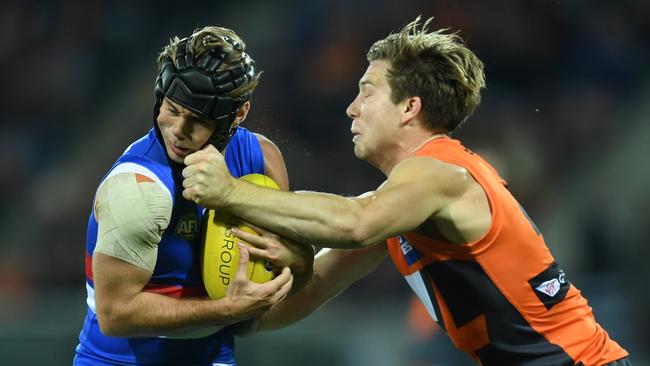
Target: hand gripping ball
(221, 253)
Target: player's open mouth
(180, 151)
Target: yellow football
(221, 253)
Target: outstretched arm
(415, 190)
(334, 271)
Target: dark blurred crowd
(564, 119)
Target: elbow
(357, 235)
(108, 330)
(350, 230)
(111, 322)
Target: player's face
(375, 118)
(183, 131)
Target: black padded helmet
(195, 84)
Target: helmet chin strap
(197, 86)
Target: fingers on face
(191, 159)
(199, 155)
(209, 148)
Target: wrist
(230, 191)
(302, 266)
(306, 260)
(228, 310)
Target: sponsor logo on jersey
(409, 252)
(550, 286)
(187, 227)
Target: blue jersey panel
(244, 154)
(177, 271)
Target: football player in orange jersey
(461, 240)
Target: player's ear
(242, 112)
(410, 108)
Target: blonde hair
(435, 66)
(224, 39)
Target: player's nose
(353, 111)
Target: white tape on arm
(132, 211)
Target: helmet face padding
(197, 87)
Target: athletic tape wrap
(131, 217)
(194, 85)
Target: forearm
(334, 271)
(151, 314)
(309, 217)
(293, 309)
(302, 275)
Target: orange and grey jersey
(503, 299)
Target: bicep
(132, 211)
(415, 190)
(274, 166)
(116, 281)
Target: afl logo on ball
(187, 227)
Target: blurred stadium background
(565, 119)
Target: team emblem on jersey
(550, 286)
(187, 227)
